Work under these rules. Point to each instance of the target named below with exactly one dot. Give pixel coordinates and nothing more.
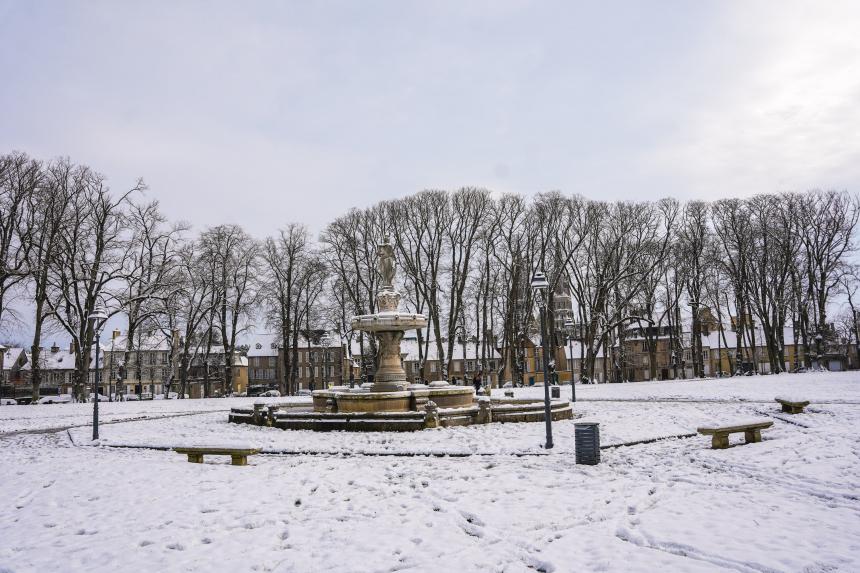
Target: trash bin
(587, 440)
(555, 391)
(531, 380)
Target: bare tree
(234, 256)
(20, 177)
(185, 308)
(828, 221)
(48, 210)
(285, 259)
(149, 261)
(88, 263)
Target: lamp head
(539, 282)
(97, 318)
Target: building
(719, 348)
(460, 368)
(320, 362)
(147, 369)
(265, 363)
(57, 369)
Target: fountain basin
(410, 400)
(388, 321)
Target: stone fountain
(390, 391)
(391, 403)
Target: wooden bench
(720, 439)
(239, 455)
(792, 406)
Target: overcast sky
(263, 113)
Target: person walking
(477, 380)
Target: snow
(788, 503)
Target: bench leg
(239, 460)
(752, 436)
(720, 441)
(787, 409)
(195, 458)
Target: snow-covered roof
(149, 341)
(12, 355)
(715, 339)
(578, 351)
(263, 344)
(62, 359)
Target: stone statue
(387, 263)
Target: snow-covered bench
(752, 432)
(792, 405)
(239, 455)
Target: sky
(264, 113)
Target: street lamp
(539, 287)
(97, 320)
(569, 326)
(325, 341)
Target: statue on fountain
(387, 264)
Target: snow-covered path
(789, 503)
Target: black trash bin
(555, 392)
(587, 440)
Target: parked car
(131, 397)
(102, 398)
(270, 394)
(304, 392)
(8, 402)
(508, 384)
(61, 399)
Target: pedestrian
(477, 380)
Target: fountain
(390, 391)
(390, 402)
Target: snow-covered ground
(789, 503)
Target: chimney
(55, 348)
(72, 347)
(115, 334)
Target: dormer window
(258, 346)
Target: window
(271, 360)
(433, 367)
(456, 367)
(164, 357)
(470, 365)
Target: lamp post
(568, 325)
(325, 341)
(539, 286)
(97, 320)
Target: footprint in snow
(176, 547)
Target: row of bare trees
(70, 246)
(466, 259)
